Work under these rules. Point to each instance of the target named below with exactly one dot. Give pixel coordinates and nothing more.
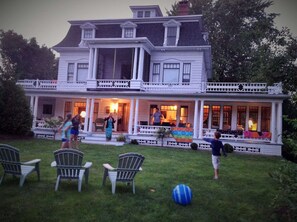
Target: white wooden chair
(69, 166)
(128, 166)
(10, 161)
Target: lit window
(215, 117)
(253, 118)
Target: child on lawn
(216, 146)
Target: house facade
(132, 66)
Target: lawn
(243, 192)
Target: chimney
(183, 7)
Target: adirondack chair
(10, 161)
(99, 124)
(69, 166)
(128, 166)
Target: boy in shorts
(216, 146)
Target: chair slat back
(10, 159)
(128, 166)
(69, 162)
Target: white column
(131, 116)
(35, 111)
(86, 124)
(201, 119)
(91, 60)
(140, 64)
(273, 122)
(259, 119)
(195, 125)
(31, 103)
(95, 64)
(221, 117)
(279, 127)
(136, 116)
(247, 118)
(135, 63)
(210, 116)
(91, 115)
(234, 118)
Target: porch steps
(98, 139)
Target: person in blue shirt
(65, 130)
(216, 147)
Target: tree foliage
(246, 46)
(30, 61)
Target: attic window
(88, 31)
(128, 30)
(171, 36)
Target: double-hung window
(186, 72)
(171, 35)
(70, 72)
(82, 72)
(171, 72)
(156, 72)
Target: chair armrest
(54, 164)
(31, 162)
(87, 165)
(140, 169)
(108, 166)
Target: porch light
(250, 123)
(83, 114)
(114, 108)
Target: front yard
(244, 191)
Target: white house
(131, 66)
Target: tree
(29, 59)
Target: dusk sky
(47, 20)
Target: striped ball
(182, 194)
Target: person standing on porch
(216, 147)
(109, 126)
(75, 131)
(65, 130)
(157, 117)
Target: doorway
(122, 123)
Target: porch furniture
(69, 166)
(99, 124)
(128, 166)
(10, 161)
(257, 135)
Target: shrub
(285, 201)
(228, 148)
(134, 142)
(121, 138)
(194, 146)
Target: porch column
(35, 111)
(259, 119)
(234, 118)
(131, 116)
(86, 124)
(91, 116)
(279, 127)
(201, 119)
(221, 126)
(95, 64)
(31, 103)
(195, 125)
(136, 116)
(135, 63)
(210, 116)
(273, 122)
(247, 118)
(91, 60)
(140, 65)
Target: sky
(47, 20)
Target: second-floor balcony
(112, 84)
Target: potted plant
(163, 133)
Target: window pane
(140, 14)
(241, 115)
(171, 73)
(265, 119)
(253, 118)
(82, 71)
(147, 14)
(70, 72)
(128, 33)
(215, 117)
(171, 36)
(88, 33)
(186, 72)
(227, 115)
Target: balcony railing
(204, 87)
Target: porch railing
(203, 87)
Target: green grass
(243, 192)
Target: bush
(289, 150)
(121, 138)
(228, 148)
(194, 146)
(134, 142)
(285, 201)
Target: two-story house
(131, 66)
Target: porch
(146, 135)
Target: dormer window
(88, 31)
(128, 30)
(148, 11)
(172, 29)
